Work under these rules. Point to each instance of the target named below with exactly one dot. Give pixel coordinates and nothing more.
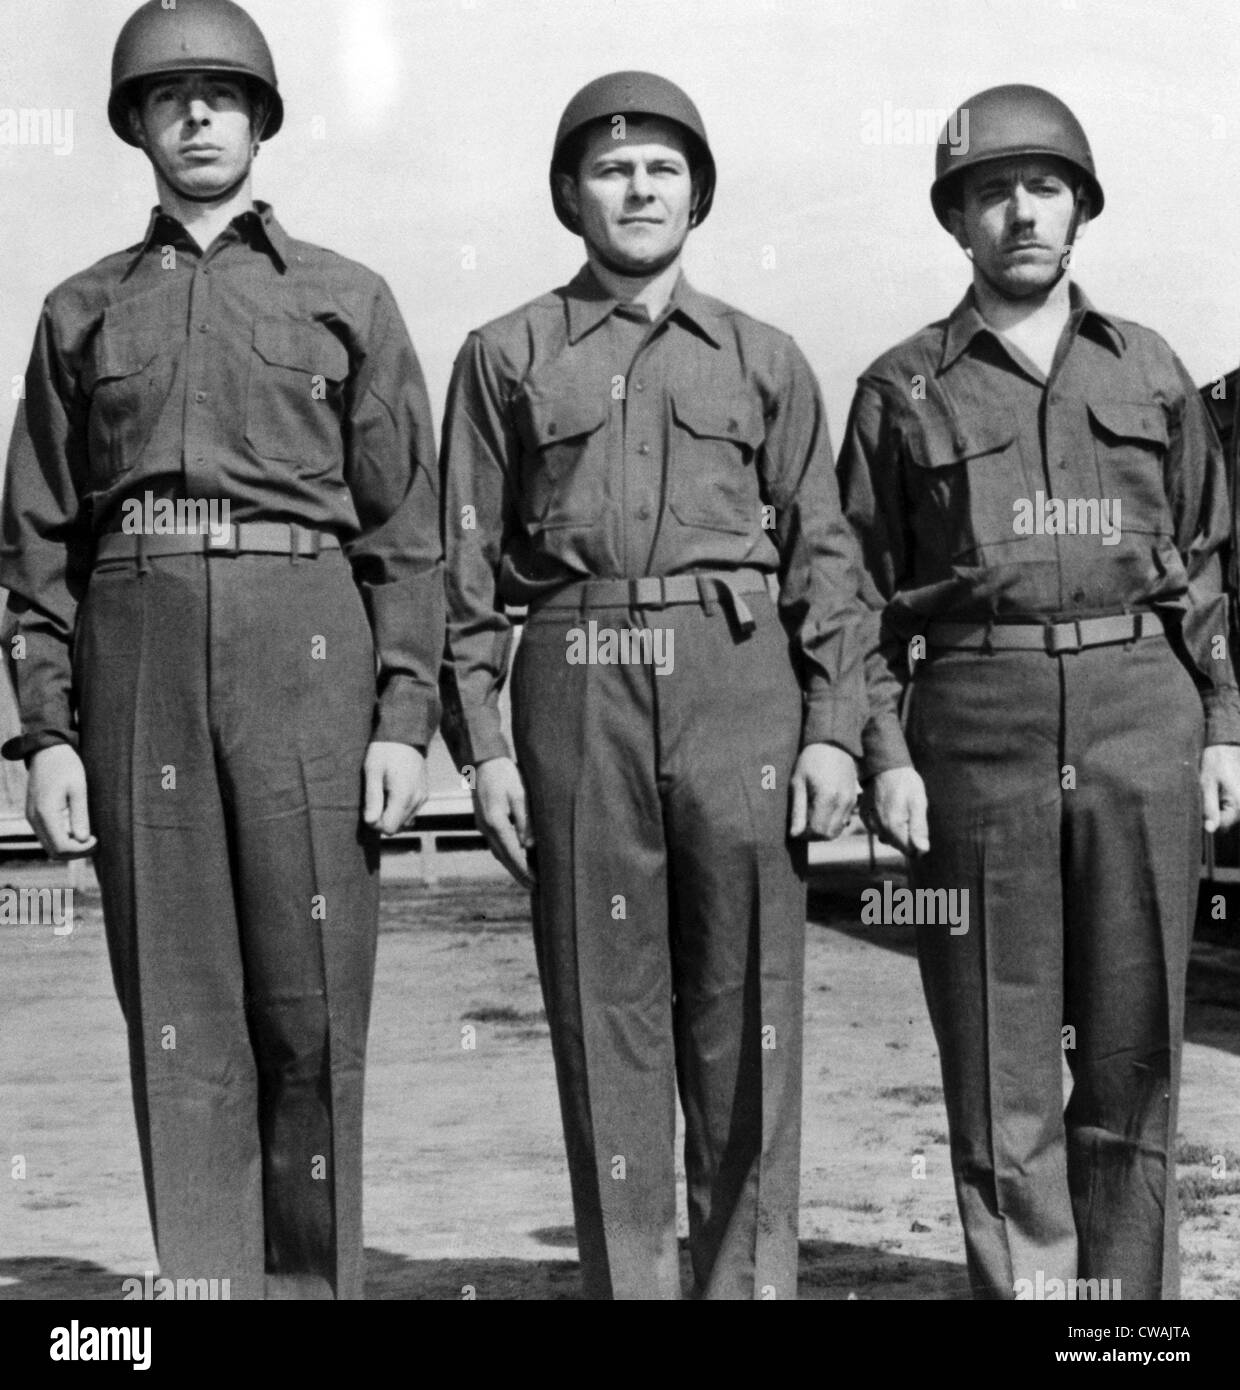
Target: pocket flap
(285, 344)
(947, 442)
(739, 420)
(1142, 420)
(566, 416)
(122, 354)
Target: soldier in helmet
(228, 713)
(649, 470)
(1041, 501)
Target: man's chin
(1027, 286)
(637, 264)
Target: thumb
(372, 808)
(79, 815)
(918, 825)
(799, 806)
(520, 817)
(1209, 804)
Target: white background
(418, 128)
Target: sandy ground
(465, 1180)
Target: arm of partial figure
(893, 797)
(45, 564)
(479, 451)
(818, 601)
(397, 558)
(1202, 513)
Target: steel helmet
(191, 36)
(632, 94)
(1005, 121)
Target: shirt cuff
(829, 719)
(884, 746)
(1222, 711)
(406, 712)
(22, 746)
(474, 736)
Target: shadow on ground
(828, 1271)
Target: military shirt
(584, 441)
(964, 466)
(266, 372)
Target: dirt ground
(466, 1186)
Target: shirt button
(733, 426)
(639, 386)
(643, 448)
(200, 396)
(1063, 463)
(552, 428)
(643, 512)
(1079, 596)
(204, 328)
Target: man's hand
(500, 813)
(824, 791)
(893, 806)
(56, 802)
(394, 786)
(1220, 787)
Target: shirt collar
(587, 304)
(966, 322)
(260, 219)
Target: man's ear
(259, 110)
(1082, 218)
(566, 186)
(955, 224)
(138, 130)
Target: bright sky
(418, 133)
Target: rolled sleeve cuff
(407, 712)
(22, 746)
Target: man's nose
(1021, 205)
(641, 186)
(197, 111)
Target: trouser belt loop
(708, 594)
(737, 607)
(1138, 629)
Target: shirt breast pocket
(127, 381)
(715, 441)
(562, 463)
(1130, 447)
(966, 477)
(295, 399)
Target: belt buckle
(647, 592)
(1053, 645)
